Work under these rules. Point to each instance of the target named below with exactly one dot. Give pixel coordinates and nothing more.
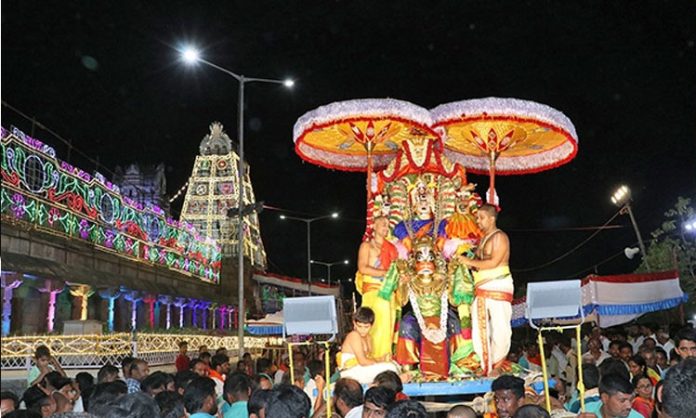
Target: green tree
(671, 246)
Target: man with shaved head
(461, 411)
(348, 398)
(374, 258)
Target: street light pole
(328, 266)
(637, 231)
(191, 56)
(309, 221)
(241, 314)
(622, 198)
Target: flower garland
(435, 336)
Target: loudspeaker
(309, 315)
(631, 252)
(546, 300)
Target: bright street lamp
(328, 266)
(690, 225)
(309, 221)
(621, 195)
(192, 56)
(622, 198)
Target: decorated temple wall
(45, 193)
(74, 248)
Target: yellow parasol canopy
(505, 136)
(359, 135)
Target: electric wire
(68, 143)
(98, 166)
(569, 252)
(595, 265)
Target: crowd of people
(632, 372)
(637, 371)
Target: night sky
(106, 75)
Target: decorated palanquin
(430, 208)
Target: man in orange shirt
(219, 368)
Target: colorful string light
(54, 196)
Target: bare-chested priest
(491, 311)
(374, 258)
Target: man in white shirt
(569, 372)
(348, 398)
(664, 342)
(647, 331)
(635, 338)
(219, 369)
(560, 357)
(597, 333)
(595, 354)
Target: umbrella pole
(369, 171)
(370, 215)
(491, 172)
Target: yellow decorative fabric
(491, 274)
(346, 360)
(382, 331)
(527, 137)
(365, 283)
(340, 137)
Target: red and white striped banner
(613, 300)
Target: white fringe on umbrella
(523, 109)
(496, 106)
(361, 108)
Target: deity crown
(423, 241)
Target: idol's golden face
(424, 260)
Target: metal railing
(95, 351)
